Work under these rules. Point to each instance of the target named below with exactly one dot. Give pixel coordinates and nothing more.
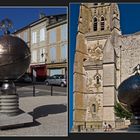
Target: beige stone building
(39, 47)
(48, 42)
(103, 59)
(57, 45)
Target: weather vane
(5, 25)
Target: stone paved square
(50, 114)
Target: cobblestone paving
(50, 113)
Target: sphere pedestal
(135, 124)
(9, 99)
(10, 114)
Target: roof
(38, 21)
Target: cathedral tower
(99, 23)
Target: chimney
(41, 15)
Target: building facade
(103, 59)
(47, 39)
(57, 42)
(39, 47)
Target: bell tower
(97, 23)
(105, 18)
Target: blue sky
(130, 23)
(21, 16)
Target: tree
(121, 112)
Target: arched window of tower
(94, 107)
(97, 80)
(102, 23)
(95, 24)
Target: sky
(22, 16)
(130, 23)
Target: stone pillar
(109, 83)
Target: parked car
(58, 79)
(24, 79)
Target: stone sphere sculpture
(14, 57)
(14, 61)
(129, 97)
(129, 93)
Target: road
(41, 89)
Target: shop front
(41, 72)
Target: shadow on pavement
(20, 126)
(43, 111)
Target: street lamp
(44, 55)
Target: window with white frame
(42, 55)
(42, 34)
(25, 37)
(34, 37)
(34, 56)
(64, 32)
(64, 52)
(53, 54)
(52, 36)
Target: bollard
(51, 90)
(33, 89)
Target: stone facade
(103, 59)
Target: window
(102, 23)
(42, 55)
(42, 34)
(97, 80)
(55, 71)
(64, 32)
(25, 37)
(52, 37)
(94, 108)
(95, 3)
(34, 37)
(95, 24)
(64, 52)
(53, 54)
(34, 56)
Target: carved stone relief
(95, 52)
(89, 83)
(93, 82)
(90, 114)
